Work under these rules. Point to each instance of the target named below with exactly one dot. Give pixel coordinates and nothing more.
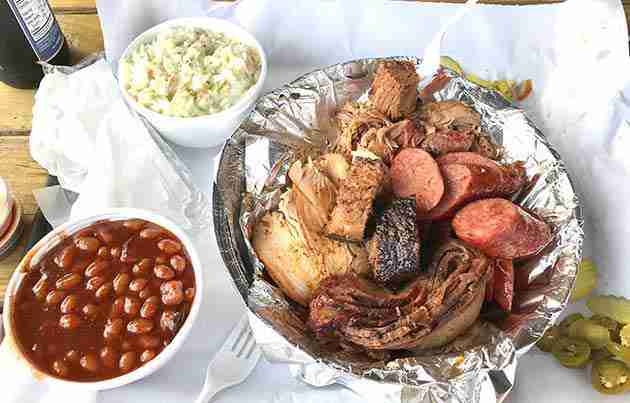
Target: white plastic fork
(431, 58)
(233, 363)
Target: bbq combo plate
(256, 181)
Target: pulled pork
(437, 127)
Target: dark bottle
(29, 33)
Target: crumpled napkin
(84, 134)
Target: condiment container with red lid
(10, 220)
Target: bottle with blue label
(29, 33)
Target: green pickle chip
(595, 335)
(600, 354)
(545, 343)
(619, 351)
(585, 281)
(610, 324)
(566, 322)
(610, 377)
(616, 308)
(624, 336)
(571, 353)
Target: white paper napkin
(575, 52)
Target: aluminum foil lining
(477, 367)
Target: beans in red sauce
(104, 301)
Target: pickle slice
(595, 335)
(616, 308)
(479, 81)
(585, 281)
(506, 88)
(451, 64)
(566, 322)
(545, 343)
(600, 354)
(571, 353)
(619, 351)
(610, 377)
(624, 336)
(610, 324)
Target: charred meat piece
(501, 229)
(394, 249)
(431, 311)
(355, 197)
(394, 90)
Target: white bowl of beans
(104, 301)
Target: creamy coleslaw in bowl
(189, 72)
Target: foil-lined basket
(479, 366)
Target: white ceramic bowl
(52, 239)
(209, 130)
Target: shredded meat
(386, 141)
(297, 258)
(314, 194)
(353, 121)
(447, 296)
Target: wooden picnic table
(80, 24)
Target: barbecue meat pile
(391, 239)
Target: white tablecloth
(575, 52)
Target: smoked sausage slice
(463, 184)
(501, 229)
(415, 172)
(512, 176)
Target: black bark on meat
(394, 249)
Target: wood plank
(22, 174)
(56, 4)
(73, 6)
(84, 36)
